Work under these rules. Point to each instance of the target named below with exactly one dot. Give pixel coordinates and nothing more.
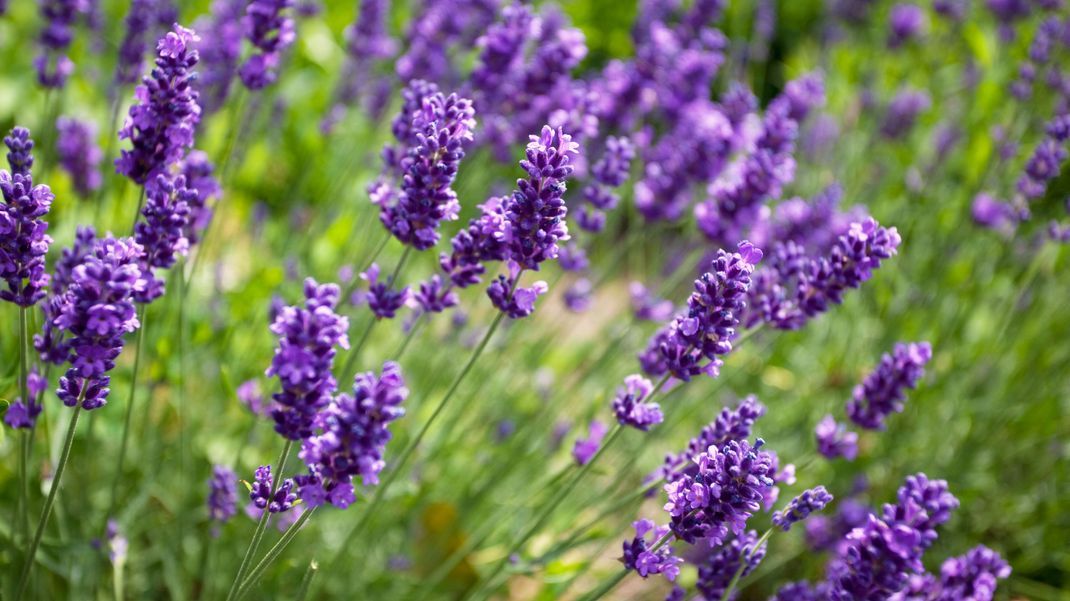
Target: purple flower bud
(717, 565)
(53, 65)
(383, 301)
(810, 501)
(884, 391)
(270, 29)
(22, 413)
(23, 238)
(222, 494)
(639, 554)
(138, 24)
(585, 448)
(630, 407)
(261, 494)
(905, 22)
(79, 154)
(835, 440)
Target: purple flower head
(585, 448)
(441, 126)
(249, 394)
(694, 341)
(905, 22)
(835, 440)
(728, 487)
(53, 65)
(827, 532)
(501, 52)
(161, 123)
(354, 434)
(535, 212)
(613, 168)
(884, 391)
(572, 257)
(902, 113)
(382, 300)
(630, 407)
(22, 413)
(516, 302)
(19, 151)
(95, 311)
(200, 177)
(222, 494)
(270, 29)
(641, 556)
(304, 358)
(810, 501)
(730, 424)
(800, 96)
(973, 576)
(50, 343)
(1042, 167)
(138, 24)
(646, 306)
(480, 242)
(435, 297)
(23, 238)
(717, 565)
(79, 154)
(162, 232)
(952, 10)
(578, 296)
(260, 492)
(220, 50)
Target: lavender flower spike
(222, 494)
(305, 357)
(835, 440)
(161, 122)
(22, 413)
(79, 154)
(23, 238)
(260, 492)
(973, 576)
(354, 437)
(96, 311)
(884, 391)
(630, 407)
(53, 65)
(810, 501)
(270, 30)
(132, 50)
(639, 554)
(585, 448)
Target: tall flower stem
(24, 437)
(559, 498)
(124, 439)
(380, 490)
(261, 525)
(743, 564)
(273, 553)
(306, 582)
(31, 553)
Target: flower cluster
(810, 501)
(79, 154)
(162, 233)
(222, 494)
(161, 122)
(354, 434)
(835, 440)
(260, 492)
(585, 448)
(22, 413)
(383, 300)
(270, 30)
(441, 126)
(693, 342)
(96, 311)
(199, 174)
(53, 65)
(717, 565)
(220, 51)
(730, 424)
(308, 337)
(643, 554)
(138, 24)
(729, 486)
(50, 343)
(23, 238)
(610, 172)
(884, 391)
(631, 407)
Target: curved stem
(273, 553)
(24, 438)
(258, 533)
(31, 553)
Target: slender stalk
(380, 490)
(411, 334)
(548, 510)
(24, 436)
(24, 578)
(125, 438)
(743, 564)
(273, 553)
(140, 204)
(354, 355)
(258, 533)
(306, 582)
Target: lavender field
(463, 300)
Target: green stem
(561, 495)
(258, 533)
(408, 337)
(743, 564)
(273, 553)
(125, 438)
(24, 578)
(306, 582)
(380, 490)
(24, 439)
